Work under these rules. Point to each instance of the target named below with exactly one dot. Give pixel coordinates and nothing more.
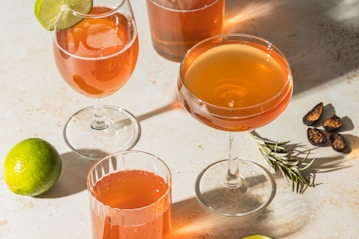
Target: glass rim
(125, 210)
(243, 38)
(185, 10)
(111, 10)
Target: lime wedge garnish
(59, 13)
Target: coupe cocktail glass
(235, 83)
(96, 57)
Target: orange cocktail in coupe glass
(96, 57)
(235, 83)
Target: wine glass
(235, 83)
(96, 57)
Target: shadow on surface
(320, 39)
(75, 168)
(175, 104)
(73, 176)
(192, 221)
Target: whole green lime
(32, 167)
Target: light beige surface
(321, 41)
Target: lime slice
(59, 13)
(256, 237)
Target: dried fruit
(319, 137)
(313, 115)
(316, 136)
(333, 123)
(338, 142)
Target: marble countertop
(321, 41)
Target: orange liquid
(128, 190)
(97, 57)
(245, 86)
(175, 31)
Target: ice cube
(102, 37)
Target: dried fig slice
(338, 142)
(316, 136)
(314, 114)
(333, 123)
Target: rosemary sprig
(287, 159)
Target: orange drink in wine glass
(235, 83)
(96, 57)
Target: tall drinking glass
(176, 25)
(235, 83)
(130, 197)
(96, 57)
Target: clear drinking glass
(96, 57)
(176, 25)
(235, 83)
(130, 197)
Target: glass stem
(233, 179)
(99, 121)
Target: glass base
(255, 193)
(122, 133)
